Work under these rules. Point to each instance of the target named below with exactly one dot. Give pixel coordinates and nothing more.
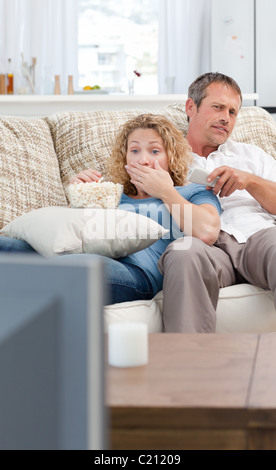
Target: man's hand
(86, 176)
(230, 179)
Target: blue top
(154, 208)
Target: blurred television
(52, 392)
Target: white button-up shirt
(241, 214)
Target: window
(116, 39)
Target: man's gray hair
(198, 89)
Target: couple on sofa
(151, 158)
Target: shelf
(42, 105)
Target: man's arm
(232, 179)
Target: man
(246, 248)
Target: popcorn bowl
(105, 195)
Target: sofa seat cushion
(245, 308)
(145, 311)
(242, 308)
(29, 169)
(84, 139)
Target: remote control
(199, 176)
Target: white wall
(243, 45)
(232, 41)
(266, 52)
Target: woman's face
(144, 146)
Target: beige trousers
(193, 276)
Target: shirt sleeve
(198, 194)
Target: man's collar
(224, 148)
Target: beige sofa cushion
(83, 139)
(30, 176)
(256, 126)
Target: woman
(150, 158)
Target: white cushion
(242, 308)
(114, 233)
(145, 311)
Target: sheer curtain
(184, 43)
(43, 29)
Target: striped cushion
(257, 127)
(29, 170)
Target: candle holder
(127, 344)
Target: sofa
(39, 156)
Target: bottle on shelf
(57, 85)
(10, 78)
(70, 85)
(2, 84)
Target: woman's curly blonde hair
(177, 147)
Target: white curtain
(43, 29)
(184, 43)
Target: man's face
(213, 121)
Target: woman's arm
(200, 221)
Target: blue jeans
(125, 282)
(14, 245)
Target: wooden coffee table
(201, 391)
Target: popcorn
(104, 195)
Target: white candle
(127, 344)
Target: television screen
(52, 353)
